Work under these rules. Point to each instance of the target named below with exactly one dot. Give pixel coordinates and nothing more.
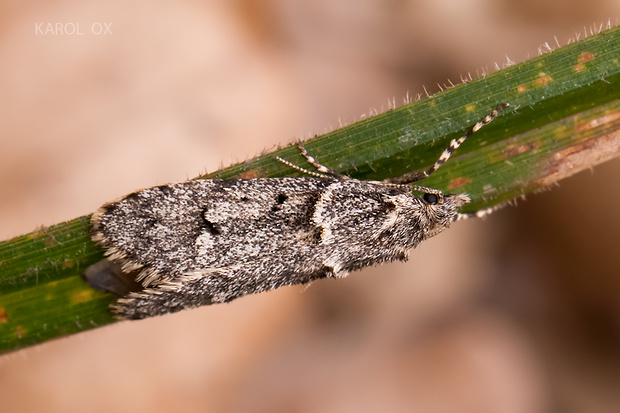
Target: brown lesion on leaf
(585, 57)
(609, 118)
(577, 158)
(4, 316)
(587, 151)
(514, 150)
(542, 80)
(251, 174)
(581, 60)
(458, 182)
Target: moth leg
(299, 168)
(483, 212)
(325, 171)
(447, 153)
(321, 168)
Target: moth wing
(169, 231)
(189, 291)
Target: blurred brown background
(516, 313)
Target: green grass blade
(564, 117)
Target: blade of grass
(564, 117)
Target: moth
(201, 242)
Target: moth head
(439, 198)
(440, 210)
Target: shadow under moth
(201, 242)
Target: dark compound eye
(430, 198)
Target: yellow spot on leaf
(67, 264)
(542, 80)
(470, 108)
(82, 296)
(585, 57)
(20, 331)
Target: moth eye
(430, 198)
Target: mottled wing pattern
(201, 242)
